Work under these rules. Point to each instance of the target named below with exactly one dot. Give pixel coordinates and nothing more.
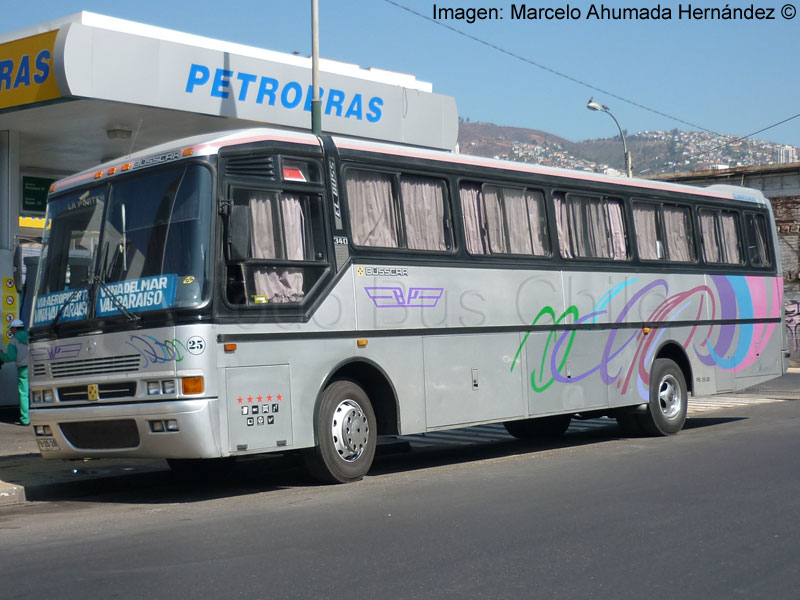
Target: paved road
(713, 512)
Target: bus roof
(211, 143)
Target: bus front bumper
(171, 429)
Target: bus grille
(128, 363)
(106, 391)
(39, 370)
(251, 166)
(100, 435)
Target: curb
(11, 494)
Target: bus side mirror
(239, 233)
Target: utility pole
(316, 103)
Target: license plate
(48, 444)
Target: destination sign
(135, 295)
(47, 306)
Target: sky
(733, 77)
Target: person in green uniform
(17, 353)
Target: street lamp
(592, 105)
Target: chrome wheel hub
(670, 400)
(350, 430)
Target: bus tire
(346, 434)
(666, 411)
(541, 428)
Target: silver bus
(269, 291)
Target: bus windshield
(136, 245)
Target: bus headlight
(36, 396)
(168, 387)
(153, 388)
(47, 396)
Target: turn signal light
(192, 385)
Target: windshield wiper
(114, 297)
(64, 305)
(100, 280)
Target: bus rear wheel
(541, 428)
(346, 434)
(666, 411)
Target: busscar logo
(382, 271)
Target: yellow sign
(26, 70)
(32, 222)
(9, 309)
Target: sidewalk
(25, 475)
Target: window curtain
(498, 242)
(519, 235)
(644, 222)
(757, 240)
(372, 212)
(563, 225)
(678, 234)
(538, 223)
(596, 227)
(471, 201)
(730, 238)
(278, 284)
(423, 212)
(616, 225)
(711, 250)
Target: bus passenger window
(756, 233)
(424, 212)
(373, 215)
(282, 232)
(678, 233)
(504, 220)
(648, 231)
(720, 235)
(398, 211)
(590, 227)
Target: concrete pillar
(9, 228)
(9, 189)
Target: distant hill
(652, 152)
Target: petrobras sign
(26, 70)
(262, 86)
(290, 95)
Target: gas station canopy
(87, 88)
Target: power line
(580, 82)
(749, 135)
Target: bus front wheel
(666, 411)
(346, 434)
